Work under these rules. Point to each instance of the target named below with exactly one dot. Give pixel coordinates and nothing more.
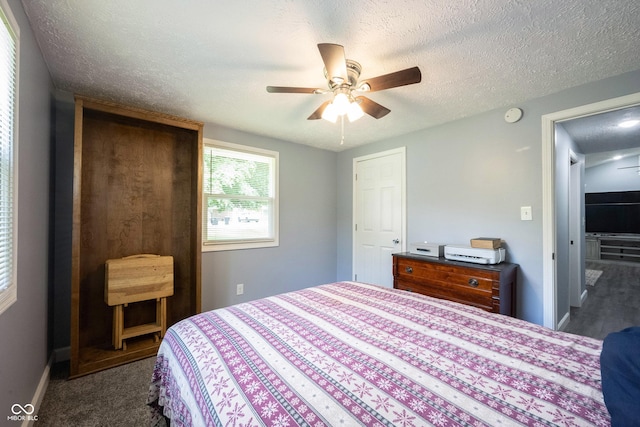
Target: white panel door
(379, 215)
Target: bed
(349, 353)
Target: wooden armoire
(137, 190)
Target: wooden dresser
(490, 287)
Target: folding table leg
(118, 325)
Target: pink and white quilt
(349, 353)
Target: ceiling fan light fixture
(330, 113)
(354, 112)
(342, 77)
(341, 103)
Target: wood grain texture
(136, 190)
(137, 113)
(138, 278)
(490, 287)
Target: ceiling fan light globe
(330, 114)
(354, 112)
(341, 104)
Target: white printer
(426, 248)
(475, 255)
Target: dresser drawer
(442, 275)
(488, 287)
(480, 299)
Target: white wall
(470, 178)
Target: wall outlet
(239, 289)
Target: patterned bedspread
(348, 354)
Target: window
(8, 155)
(240, 200)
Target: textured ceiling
(211, 60)
(590, 131)
(601, 137)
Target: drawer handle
(473, 282)
(408, 269)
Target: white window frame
(9, 293)
(208, 246)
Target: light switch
(525, 213)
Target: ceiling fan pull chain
(342, 126)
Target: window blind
(8, 71)
(240, 196)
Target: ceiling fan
(342, 79)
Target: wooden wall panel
(139, 194)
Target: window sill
(7, 298)
(238, 246)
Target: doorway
(549, 238)
(576, 230)
(379, 215)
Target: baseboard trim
(583, 297)
(564, 321)
(39, 394)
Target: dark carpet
(114, 397)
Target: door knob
(396, 241)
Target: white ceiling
(211, 60)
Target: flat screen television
(612, 212)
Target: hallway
(612, 304)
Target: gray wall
(307, 252)
(23, 326)
(62, 205)
(470, 177)
(564, 143)
(607, 176)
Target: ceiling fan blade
(284, 89)
(318, 113)
(391, 80)
(334, 61)
(372, 108)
